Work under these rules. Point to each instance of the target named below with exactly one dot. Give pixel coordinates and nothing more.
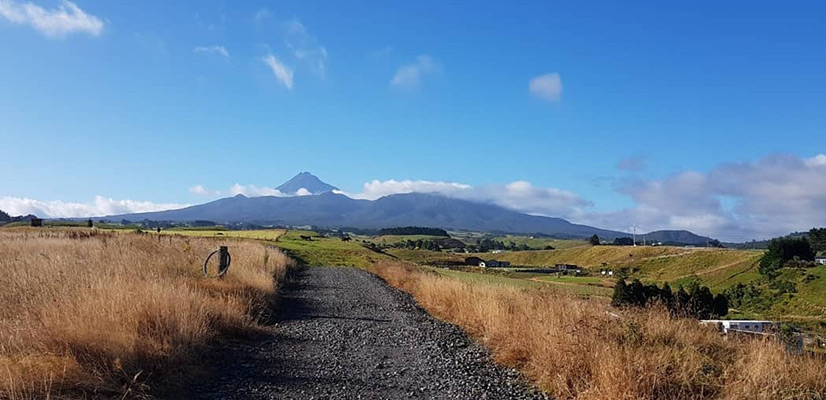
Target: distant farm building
(568, 268)
(820, 260)
(743, 326)
(494, 263)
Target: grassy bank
(577, 348)
(88, 313)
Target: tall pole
(634, 229)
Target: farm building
(494, 263)
(745, 326)
(568, 268)
(820, 260)
(478, 262)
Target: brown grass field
(86, 313)
(576, 348)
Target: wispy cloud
(631, 164)
(305, 47)
(261, 15)
(101, 206)
(254, 191)
(283, 73)
(383, 52)
(546, 87)
(410, 75)
(66, 19)
(202, 191)
(218, 50)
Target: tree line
(697, 301)
(413, 230)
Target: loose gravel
(343, 333)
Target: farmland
(494, 305)
(89, 313)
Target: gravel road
(342, 333)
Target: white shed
(737, 325)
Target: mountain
(330, 209)
(336, 210)
(306, 181)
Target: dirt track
(343, 333)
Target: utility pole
(634, 229)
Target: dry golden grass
(98, 314)
(575, 348)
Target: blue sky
(139, 102)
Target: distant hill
(678, 237)
(306, 181)
(413, 230)
(336, 210)
(333, 210)
(4, 217)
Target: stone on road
(344, 333)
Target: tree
(623, 241)
(681, 300)
(89, 223)
(636, 293)
(817, 238)
(620, 296)
(769, 267)
(4, 217)
(720, 305)
(594, 240)
(782, 250)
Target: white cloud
(261, 15)
(254, 191)
(100, 207)
(410, 75)
(374, 189)
(546, 87)
(519, 195)
(305, 47)
(772, 196)
(283, 73)
(219, 50)
(66, 19)
(202, 191)
(303, 192)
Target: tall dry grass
(97, 314)
(577, 348)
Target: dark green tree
(681, 300)
(636, 293)
(620, 297)
(720, 305)
(787, 248)
(817, 238)
(623, 241)
(594, 240)
(89, 223)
